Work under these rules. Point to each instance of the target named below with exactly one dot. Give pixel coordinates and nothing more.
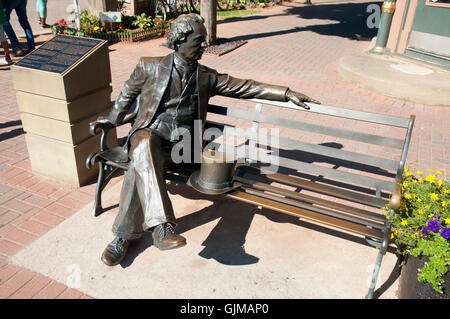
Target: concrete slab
(234, 250)
(397, 78)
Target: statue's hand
(298, 99)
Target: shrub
(421, 226)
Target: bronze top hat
(215, 175)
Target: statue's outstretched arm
(233, 87)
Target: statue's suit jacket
(150, 79)
(147, 84)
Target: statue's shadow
(225, 243)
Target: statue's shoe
(164, 237)
(115, 251)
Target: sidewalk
(294, 45)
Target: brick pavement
(289, 45)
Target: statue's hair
(181, 27)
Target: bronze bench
(342, 177)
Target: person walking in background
(41, 8)
(20, 6)
(6, 60)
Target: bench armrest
(396, 197)
(104, 127)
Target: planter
(127, 36)
(410, 288)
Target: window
(438, 3)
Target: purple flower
(445, 233)
(436, 216)
(434, 225)
(424, 231)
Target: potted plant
(421, 232)
(143, 22)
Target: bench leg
(376, 271)
(97, 209)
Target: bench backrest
(361, 150)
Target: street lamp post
(77, 14)
(387, 12)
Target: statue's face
(192, 49)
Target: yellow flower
(419, 172)
(421, 180)
(396, 232)
(406, 169)
(408, 174)
(414, 181)
(405, 184)
(431, 215)
(430, 170)
(419, 200)
(96, 28)
(443, 203)
(447, 221)
(408, 196)
(434, 196)
(404, 223)
(427, 207)
(420, 212)
(392, 236)
(446, 191)
(438, 172)
(439, 183)
(413, 236)
(387, 216)
(430, 178)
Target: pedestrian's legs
(41, 8)
(8, 7)
(7, 59)
(21, 11)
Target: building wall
(432, 19)
(421, 31)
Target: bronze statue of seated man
(172, 92)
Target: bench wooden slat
(311, 199)
(303, 213)
(314, 186)
(339, 154)
(276, 161)
(311, 128)
(338, 215)
(316, 149)
(336, 174)
(340, 112)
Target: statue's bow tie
(185, 67)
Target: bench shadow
(226, 241)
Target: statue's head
(187, 36)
